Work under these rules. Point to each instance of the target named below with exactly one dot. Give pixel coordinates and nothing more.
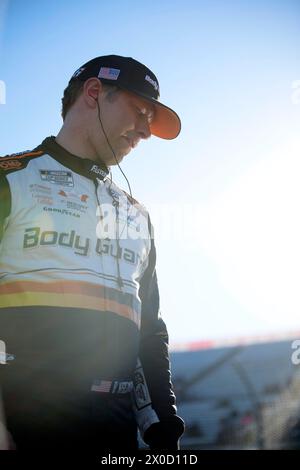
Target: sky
(224, 195)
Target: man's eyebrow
(150, 108)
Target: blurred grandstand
(243, 395)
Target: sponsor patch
(64, 178)
(56, 210)
(98, 171)
(68, 194)
(10, 164)
(73, 201)
(41, 194)
(141, 392)
(153, 82)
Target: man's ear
(91, 90)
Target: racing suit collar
(84, 166)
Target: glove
(165, 434)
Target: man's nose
(143, 129)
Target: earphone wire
(120, 280)
(99, 117)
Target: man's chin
(116, 160)
(118, 155)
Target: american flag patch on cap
(110, 74)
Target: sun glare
(253, 234)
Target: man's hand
(165, 434)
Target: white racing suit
(79, 306)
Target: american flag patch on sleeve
(112, 386)
(101, 386)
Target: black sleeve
(5, 202)
(154, 354)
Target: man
(79, 298)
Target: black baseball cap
(129, 74)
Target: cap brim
(166, 123)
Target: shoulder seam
(22, 155)
(16, 162)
